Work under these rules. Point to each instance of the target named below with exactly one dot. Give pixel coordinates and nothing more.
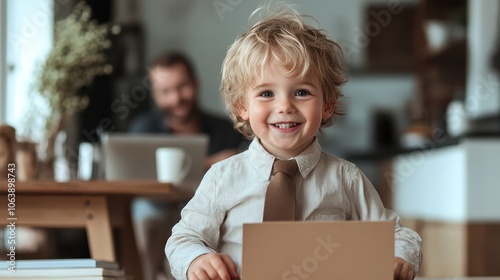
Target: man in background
(175, 92)
(175, 89)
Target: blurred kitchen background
(424, 83)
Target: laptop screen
(129, 157)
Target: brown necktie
(280, 195)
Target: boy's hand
(402, 270)
(212, 267)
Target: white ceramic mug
(172, 165)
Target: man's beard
(170, 114)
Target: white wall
(29, 32)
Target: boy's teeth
(285, 125)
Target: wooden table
(97, 206)
(457, 278)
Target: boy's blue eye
(301, 92)
(266, 94)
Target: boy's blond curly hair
(283, 36)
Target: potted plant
(77, 57)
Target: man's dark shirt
(220, 131)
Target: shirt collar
(263, 161)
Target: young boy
(281, 84)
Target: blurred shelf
(441, 72)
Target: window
(27, 39)
(2, 61)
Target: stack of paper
(79, 269)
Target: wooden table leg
(131, 258)
(99, 230)
(91, 212)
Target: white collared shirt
(233, 192)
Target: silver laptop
(133, 157)
(318, 250)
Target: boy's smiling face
(285, 113)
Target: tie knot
(289, 167)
